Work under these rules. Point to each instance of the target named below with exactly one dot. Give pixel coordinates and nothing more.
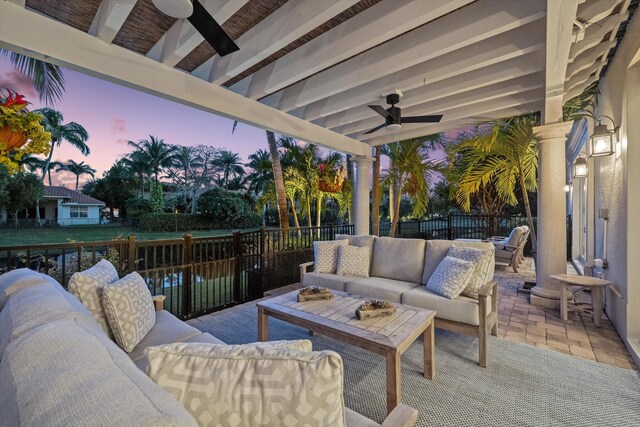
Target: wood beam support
(110, 18)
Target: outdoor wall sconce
(601, 142)
(580, 167)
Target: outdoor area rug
(522, 385)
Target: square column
(551, 257)
(361, 194)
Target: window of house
(79, 212)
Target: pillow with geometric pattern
(325, 255)
(353, 261)
(482, 259)
(450, 277)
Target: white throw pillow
(325, 255)
(246, 385)
(353, 261)
(87, 287)
(129, 308)
(482, 258)
(450, 277)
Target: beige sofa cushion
(379, 288)
(326, 280)
(63, 374)
(129, 308)
(87, 287)
(462, 309)
(246, 385)
(325, 255)
(15, 280)
(438, 249)
(398, 259)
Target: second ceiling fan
(393, 115)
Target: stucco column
(552, 229)
(361, 194)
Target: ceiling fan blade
(212, 32)
(377, 128)
(380, 110)
(422, 119)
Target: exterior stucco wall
(64, 216)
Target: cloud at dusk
(118, 125)
(18, 82)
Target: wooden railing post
(187, 259)
(237, 268)
(131, 258)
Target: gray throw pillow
(451, 277)
(325, 255)
(482, 259)
(353, 261)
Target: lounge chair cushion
(325, 255)
(483, 259)
(515, 237)
(379, 288)
(438, 249)
(462, 309)
(502, 254)
(324, 280)
(353, 261)
(450, 277)
(84, 380)
(129, 308)
(245, 384)
(87, 287)
(398, 259)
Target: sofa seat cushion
(438, 249)
(167, 329)
(143, 362)
(326, 280)
(398, 259)
(64, 374)
(380, 288)
(462, 309)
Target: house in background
(68, 207)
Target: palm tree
(505, 156)
(34, 163)
(262, 171)
(47, 79)
(278, 178)
(77, 169)
(229, 164)
(156, 153)
(72, 132)
(410, 172)
(137, 164)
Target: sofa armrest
(487, 289)
(401, 416)
(158, 302)
(304, 267)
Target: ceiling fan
(201, 20)
(393, 115)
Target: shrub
(156, 198)
(136, 209)
(227, 209)
(163, 222)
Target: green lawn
(29, 236)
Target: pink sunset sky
(114, 114)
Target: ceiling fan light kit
(175, 8)
(393, 115)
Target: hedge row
(161, 222)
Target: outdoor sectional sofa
(59, 368)
(400, 269)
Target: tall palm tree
(34, 163)
(78, 169)
(507, 157)
(278, 178)
(47, 79)
(157, 153)
(137, 164)
(229, 164)
(72, 132)
(262, 170)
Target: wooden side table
(597, 293)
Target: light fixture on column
(580, 166)
(601, 142)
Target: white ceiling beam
(20, 3)
(385, 137)
(595, 10)
(182, 38)
(512, 44)
(474, 110)
(110, 18)
(375, 25)
(588, 57)
(82, 52)
(596, 32)
(447, 88)
(561, 15)
(287, 24)
(451, 104)
(471, 24)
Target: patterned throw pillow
(129, 309)
(250, 385)
(325, 255)
(353, 261)
(450, 277)
(87, 287)
(482, 259)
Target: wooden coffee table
(388, 336)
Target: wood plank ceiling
(325, 60)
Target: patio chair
(509, 250)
